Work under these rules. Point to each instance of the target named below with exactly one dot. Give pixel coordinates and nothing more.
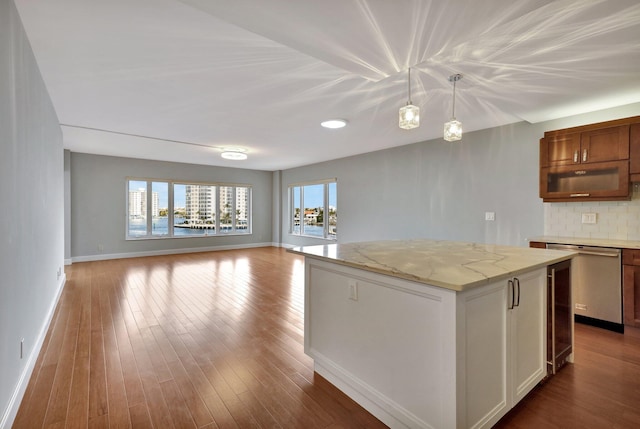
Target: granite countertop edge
(550, 257)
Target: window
(314, 209)
(242, 210)
(194, 212)
(159, 209)
(181, 209)
(137, 208)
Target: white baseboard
(12, 409)
(104, 257)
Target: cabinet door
(560, 150)
(598, 181)
(528, 334)
(631, 287)
(482, 355)
(634, 152)
(605, 144)
(631, 292)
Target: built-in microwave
(602, 181)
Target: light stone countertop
(597, 242)
(458, 266)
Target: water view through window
(186, 210)
(314, 210)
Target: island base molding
(383, 408)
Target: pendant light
(453, 128)
(409, 115)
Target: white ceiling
(177, 80)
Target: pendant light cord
(453, 79)
(453, 108)
(409, 84)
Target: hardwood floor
(600, 390)
(214, 340)
(201, 340)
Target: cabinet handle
(516, 282)
(584, 155)
(510, 283)
(575, 156)
(578, 195)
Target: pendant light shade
(453, 128)
(409, 115)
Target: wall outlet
(100, 247)
(589, 218)
(489, 215)
(353, 290)
(581, 307)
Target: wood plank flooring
(215, 340)
(600, 390)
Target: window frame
(291, 190)
(214, 232)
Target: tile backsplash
(616, 220)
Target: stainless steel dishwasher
(597, 287)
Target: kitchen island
(425, 333)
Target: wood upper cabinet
(562, 149)
(599, 145)
(607, 144)
(634, 152)
(595, 162)
(598, 181)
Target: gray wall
(67, 207)
(31, 219)
(98, 201)
(441, 190)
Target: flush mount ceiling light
(234, 153)
(453, 128)
(409, 115)
(334, 123)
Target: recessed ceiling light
(235, 156)
(234, 153)
(334, 123)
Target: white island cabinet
(428, 334)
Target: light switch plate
(589, 218)
(353, 289)
(489, 215)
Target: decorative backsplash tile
(617, 220)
